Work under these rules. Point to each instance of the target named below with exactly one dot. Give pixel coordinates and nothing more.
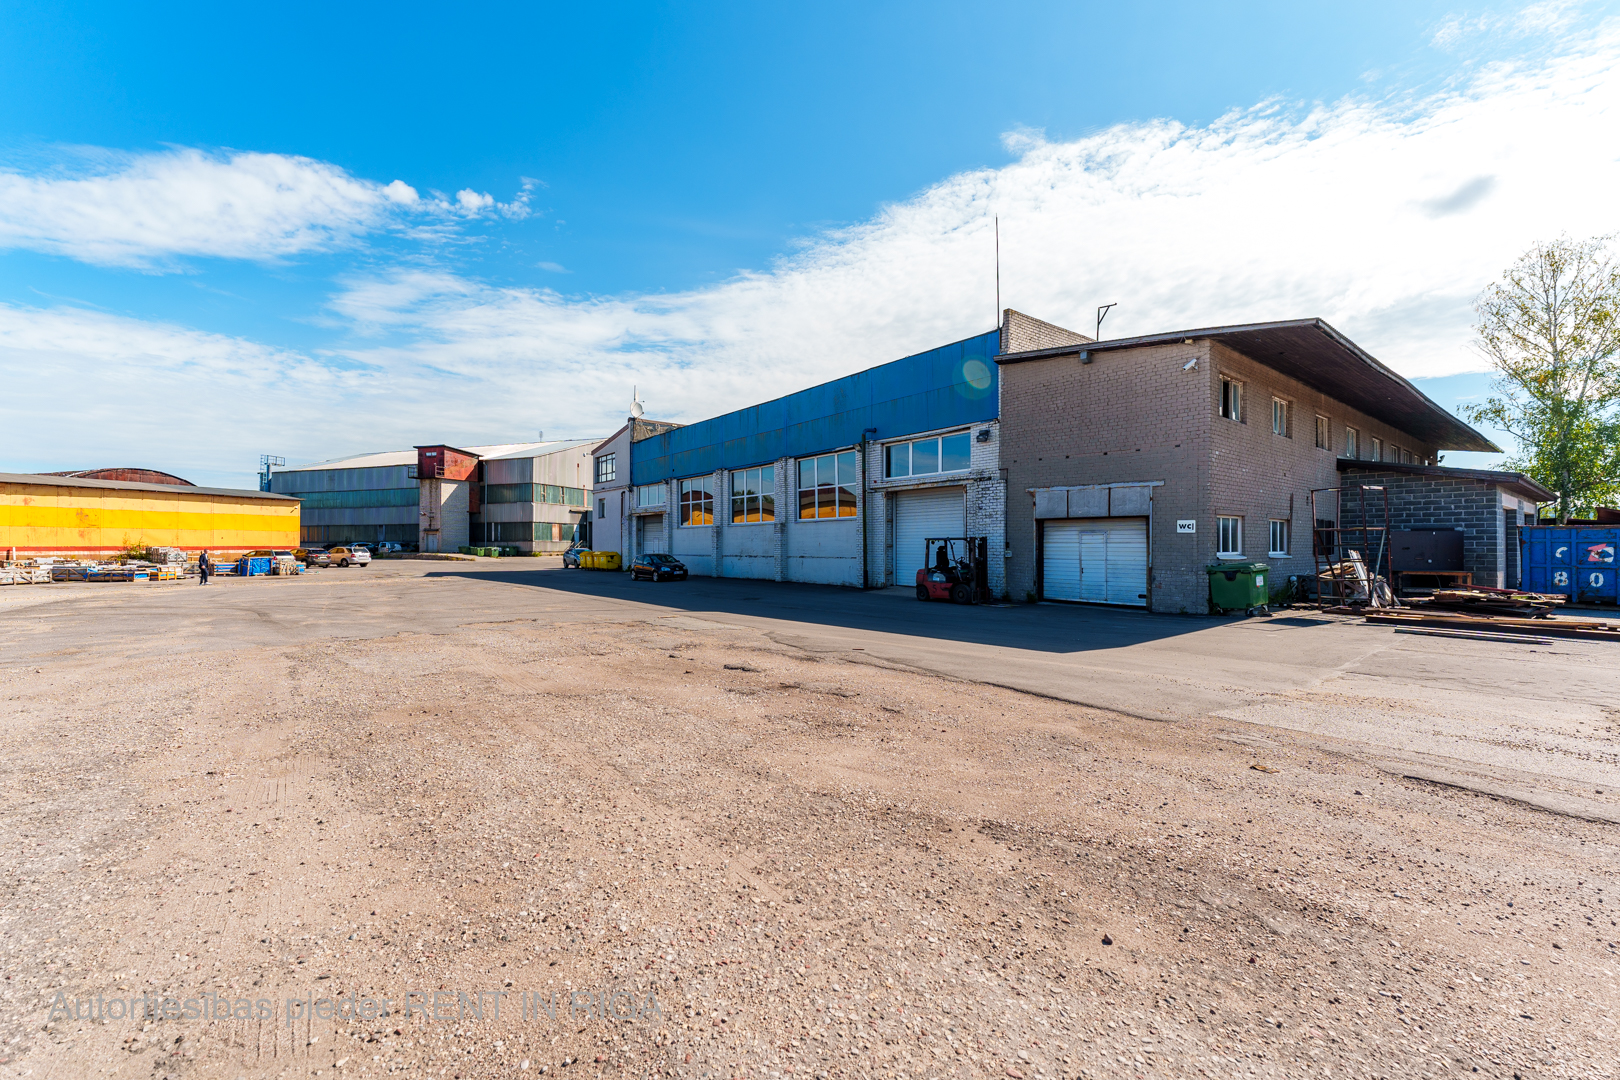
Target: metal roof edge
(1466, 438)
(1533, 488)
(46, 480)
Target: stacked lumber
(1447, 620)
(1480, 600)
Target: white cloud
(150, 208)
(1384, 217)
(471, 202)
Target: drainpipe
(866, 549)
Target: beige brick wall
(1140, 415)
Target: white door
(1127, 562)
(1060, 565)
(651, 528)
(919, 515)
(1096, 560)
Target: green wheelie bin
(1239, 586)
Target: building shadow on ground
(1052, 628)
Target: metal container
(1577, 561)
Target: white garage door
(1097, 560)
(919, 515)
(651, 528)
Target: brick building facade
(1190, 449)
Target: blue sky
(312, 234)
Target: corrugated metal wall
(954, 384)
(49, 518)
(360, 505)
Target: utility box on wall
(1426, 549)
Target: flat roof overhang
(1317, 355)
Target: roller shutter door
(919, 515)
(652, 538)
(1095, 560)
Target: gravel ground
(768, 863)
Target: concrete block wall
(1436, 502)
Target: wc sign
(1186, 527)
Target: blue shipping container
(1577, 561)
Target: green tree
(1551, 330)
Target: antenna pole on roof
(998, 270)
(1102, 313)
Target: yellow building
(57, 515)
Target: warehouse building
(1135, 463)
(611, 518)
(839, 484)
(533, 496)
(70, 515)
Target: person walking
(204, 565)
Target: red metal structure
(445, 463)
(128, 476)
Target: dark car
(312, 556)
(657, 567)
(571, 556)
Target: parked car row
(653, 567)
(337, 555)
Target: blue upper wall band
(944, 387)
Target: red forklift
(957, 569)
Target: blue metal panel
(944, 387)
(1578, 561)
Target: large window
(827, 486)
(1231, 399)
(1321, 433)
(697, 501)
(651, 495)
(925, 457)
(607, 468)
(753, 495)
(1352, 443)
(1279, 537)
(537, 493)
(1279, 417)
(1229, 536)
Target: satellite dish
(636, 410)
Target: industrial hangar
(75, 515)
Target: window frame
(1281, 409)
(607, 467)
(1273, 549)
(938, 442)
(764, 490)
(1220, 536)
(661, 504)
(1406, 456)
(833, 491)
(694, 493)
(1352, 443)
(1324, 432)
(1377, 448)
(1231, 402)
